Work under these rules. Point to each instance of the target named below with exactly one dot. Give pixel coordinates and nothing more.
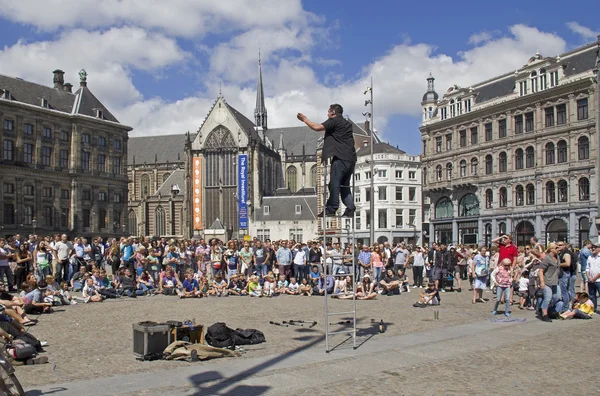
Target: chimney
(59, 79)
(68, 87)
(367, 126)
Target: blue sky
(159, 66)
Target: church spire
(260, 112)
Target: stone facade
(514, 154)
(64, 158)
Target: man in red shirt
(506, 249)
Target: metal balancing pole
(372, 198)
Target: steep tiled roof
(82, 101)
(163, 147)
(283, 208)
(245, 123)
(176, 177)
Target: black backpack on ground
(221, 336)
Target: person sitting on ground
(77, 279)
(390, 284)
(269, 285)
(34, 300)
(430, 296)
(16, 303)
(219, 286)
(128, 284)
(293, 287)
(90, 291)
(204, 287)
(242, 284)
(191, 288)
(145, 284)
(365, 290)
(282, 285)
(66, 295)
(169, 282)
(232, 287)
(404, 284)
(305, 288)
(315, 274)
(254, 289)
(583, 307)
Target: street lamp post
(369, 115)
(34, 224)
(597, 73)
(174, 192)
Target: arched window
(534, 82)
(519, 196)
(313, 176)
(503, 197)
(468, 206)
(452, 109)
(563, 191)
(443, 208)
(474, 165)
(502, 228)
(488, 164)
(583, 143)
(529, 157)
(463, 168)
(292, 178)
(530, 194)
(165, 177)
(132, 223)
(524, 231)
(438, 173)
(159, 219)
(144, 186)
(502, 162)
(557, 230)
(584, 189)
(550, 192)
(550, 154)
(449, 171)
(562, 151)
(489, 198)
(543, 79)
(519, 158)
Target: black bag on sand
(249, 337)
(220, 336)
(31, 340)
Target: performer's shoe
(349, 213)
(327, 214)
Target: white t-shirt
(300, 257)
(294, 287)
(523, 284)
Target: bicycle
(9, 384)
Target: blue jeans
(337, 269)
(572, 281)
(506, 292)
(377, 275)
(564, 288)
(593, 289)
(261, 270)
(339, 183)
(299, 272)
(552, 299)
(142, 289)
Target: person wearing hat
(593, 274)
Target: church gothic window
(292, 179)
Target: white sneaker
(87, 299)
(380, 291)
(73, 302)
(43, 343)
(415, 286)
(420, 287)
(443, 291)
(408, 289)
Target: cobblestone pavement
(457, 354)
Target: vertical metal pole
(372, 203)
(354, 280)
(324, 226)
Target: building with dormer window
(63, 160)
(513, 154)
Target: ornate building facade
(63, 161)
(514, 154)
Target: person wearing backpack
(480, 271)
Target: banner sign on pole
(243, 190)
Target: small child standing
(523, 289)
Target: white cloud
(109, 57)
(585, 32)
(480, 37)
(190, 18)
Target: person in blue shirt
(128, 254)
(584, 254)
(191, 288)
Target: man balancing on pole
(339, 146)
